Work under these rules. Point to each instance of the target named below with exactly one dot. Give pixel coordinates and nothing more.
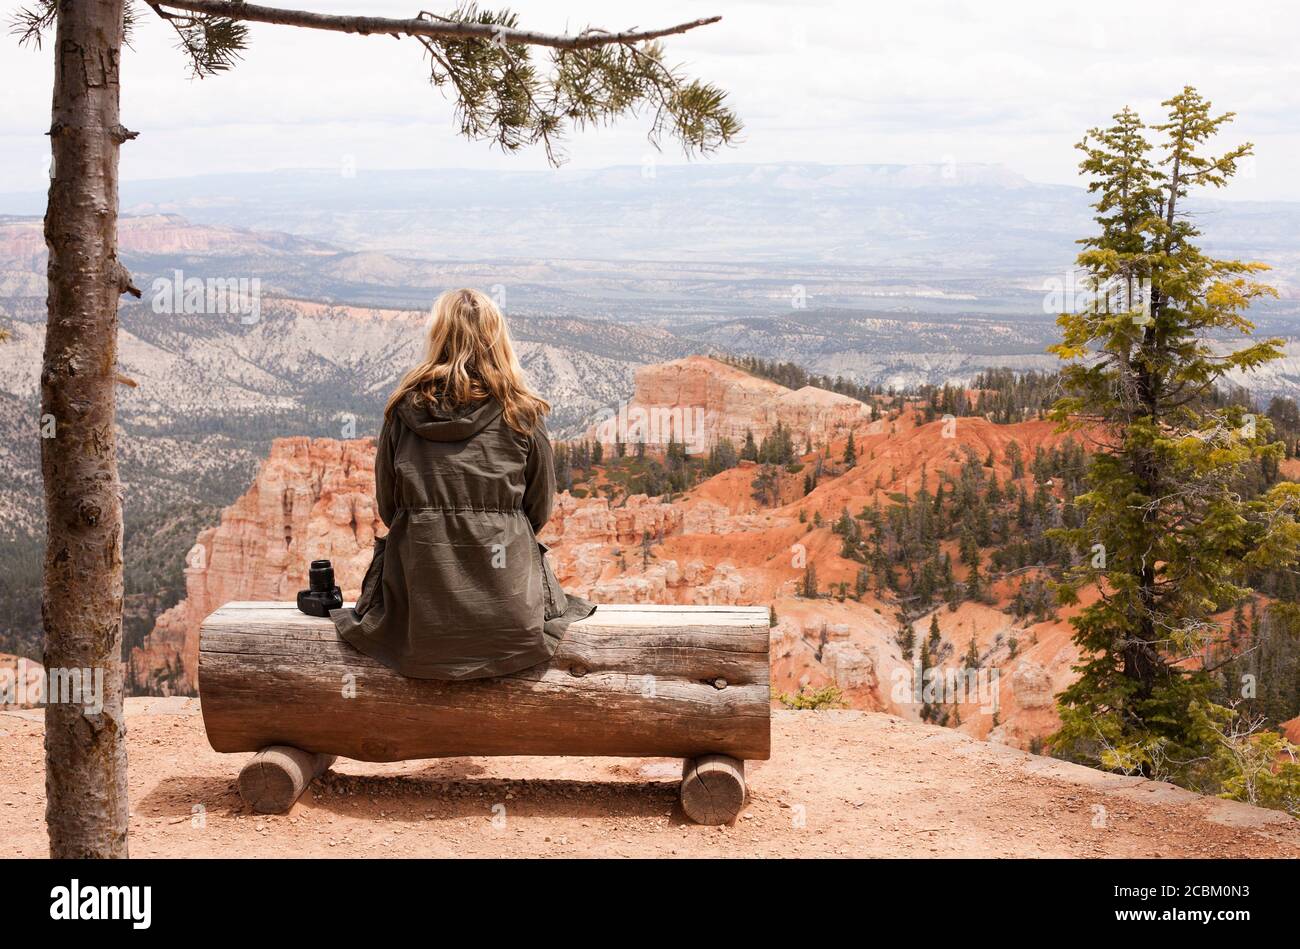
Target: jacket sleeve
(385, 473)
(539, 479)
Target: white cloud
(843, 81)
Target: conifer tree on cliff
(503, 95)
(1167, 535)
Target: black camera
(323, 595)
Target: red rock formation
(313, 498)
(715, 544)
(699, 400)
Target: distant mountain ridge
(949, 217)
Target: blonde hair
(470, 356)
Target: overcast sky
(854, 81)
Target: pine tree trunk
(85, 746)
(1142, 662)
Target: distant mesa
(699, 400)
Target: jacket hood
(439, 423)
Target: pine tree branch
(485, 60)
(445, 29)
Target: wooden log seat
(638, 681)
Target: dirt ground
(846, 784)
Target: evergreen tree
(974, 584)
(926, 663)
(722, 457)
(777, 447)
(1164, 496)
(969, 548)
(1016, 460)
(994, 493)
(1237, 630)
(906, 639)
(808, 587)
(767, 485)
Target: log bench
(634, 681)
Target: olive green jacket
(460, 588)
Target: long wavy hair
(470, 356)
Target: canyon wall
(312, 499)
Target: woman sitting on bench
(460, 588)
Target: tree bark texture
(85, 731)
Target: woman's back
(451, 457)
(460, 587)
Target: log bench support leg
(277, 776)
(713, 788)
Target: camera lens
(321, 576)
